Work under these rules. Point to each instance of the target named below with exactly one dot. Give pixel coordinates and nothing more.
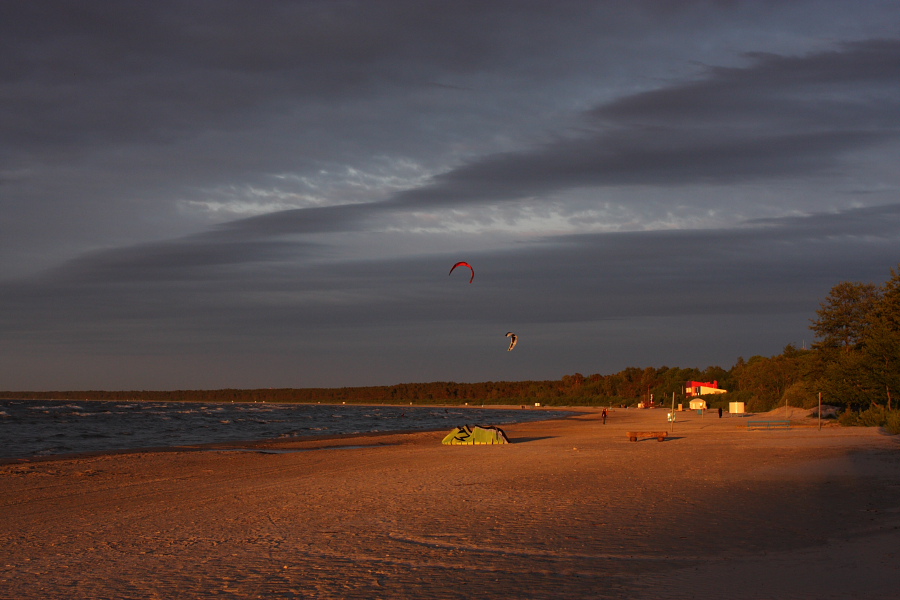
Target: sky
(224, 194)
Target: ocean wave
(29, 428)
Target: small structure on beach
(699, 388)
(698, 404)
(476, 435)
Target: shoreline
(569, 509)
(265, 442)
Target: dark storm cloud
(102, 72)
(781, 116)
(663, 137)
(739, 284)
(772, 266)
(879, 222)
(853, 86)
(787, 117)
(84, 77)
(324, 219)
(644, 157)
(118, 115)
(128, 126)
(176, 260)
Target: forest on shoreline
(854, 364)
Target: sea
(38, 428)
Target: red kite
(464, 264)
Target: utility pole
(673, 412)
(820, 411)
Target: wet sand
(570, 509)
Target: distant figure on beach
(720, 412)
(603, 416)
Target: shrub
(800, 394)
(873, 417)
(759, 404)
(893, 422)
(849, 418)
(876, 416)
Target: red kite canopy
(464, 264)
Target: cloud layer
(211, 196)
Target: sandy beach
(570, 509)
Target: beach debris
(475, 435)
(463, 264)
(513, 340)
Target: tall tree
(845, 315)
(882, 339)
(769, 378)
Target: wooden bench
(768, 424)
(659, 435)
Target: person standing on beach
(720, 412)
(603, 416)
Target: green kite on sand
(479, 434)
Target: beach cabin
(699, 388)
(698, 404)
(736, 408)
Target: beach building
(698, 404)
(699, 388)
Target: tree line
(625, 387)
